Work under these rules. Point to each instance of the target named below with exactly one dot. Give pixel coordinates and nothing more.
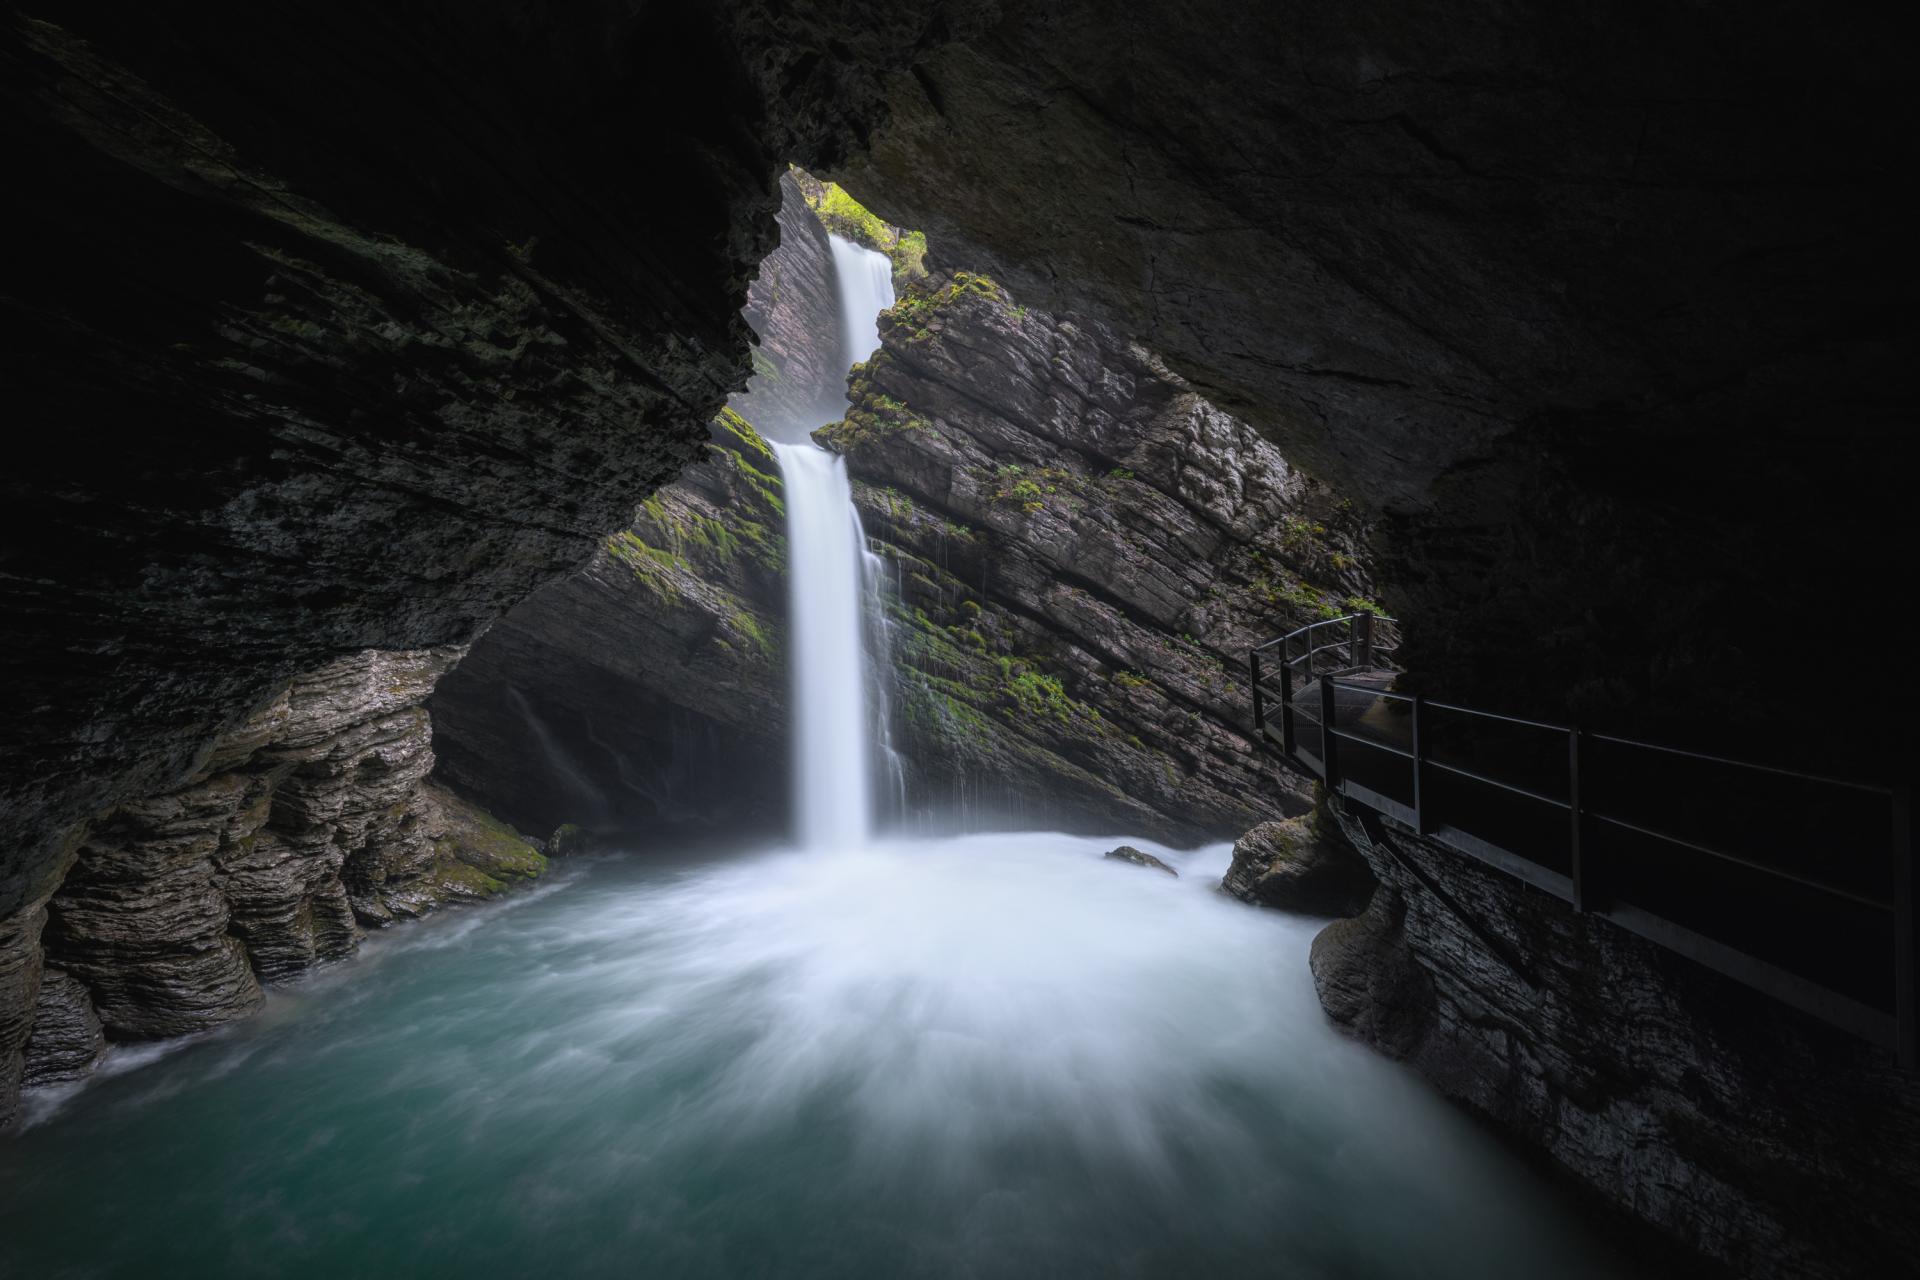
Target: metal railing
(1591, 818)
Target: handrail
(1584, 883)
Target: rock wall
(1766, 1140)
(793, 307)
(297, 831)
(1082, 550)
(651, 687)
(1584, 301)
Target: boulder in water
(1301, 864)
(1127, 853)
(568, 840)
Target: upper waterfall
(832, 741)
(866, 289)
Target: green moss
(873, 417)
(737, 433)
(911, 317)
(749, 627)
(656, 568)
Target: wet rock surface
(1139, 858)
(305, 826)
(1301, 864)
(67, 1038)
(1082, 550)
(1768, 1141)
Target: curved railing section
(1799, 885)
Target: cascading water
(827, 560)
(832, 783)
(865, 280)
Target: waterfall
(866, 289)
(832, 785)
(828, 569)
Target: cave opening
(1168, 642)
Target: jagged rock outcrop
(1301, 864)
(1139, 858)
(650, 687)
(1083, 552)
(302, 827)
(1765, 1139)
(793, 308)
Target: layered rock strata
(301, 828)
(1766, 1140)
(793, 308)
(1082, 552)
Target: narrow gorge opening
(972, 640)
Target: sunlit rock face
(1588, 299)
(1080, 550)
(799, 365)
(1771, 1142)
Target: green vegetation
(915, 311)
(655, 568)
(873, 417)
(844, 216)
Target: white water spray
(833, 754)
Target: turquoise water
(987, 1056)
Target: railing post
(1327, 740)
(1420, 824)
(1906, 948)
(1363, 641)
(1259, 704)
(1286, 704)
(1577, 867)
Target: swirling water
(981, 1056)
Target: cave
(956, 639)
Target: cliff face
(1083, 550)
(1765, 1139)
(300, 828)
(651, 686)
(793, 309)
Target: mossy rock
(1301, 864)
(476, 854)
(569, 840)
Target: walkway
(1798, 885)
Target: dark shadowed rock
(650, 687)
(1301, 864)
(1770, 1141)
(1139, 858)
(308, 822)
(67, 1038)
(569, 840)
(1564, 291)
